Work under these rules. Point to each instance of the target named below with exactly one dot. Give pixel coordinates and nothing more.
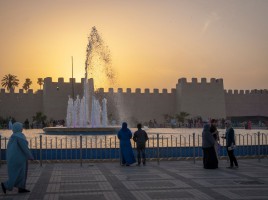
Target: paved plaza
(169, 180)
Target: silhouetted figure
(10, 124)
(215, 134)
(18, 154)
(151, 124)
(230, 144)
(127, 155)
(140, 137)
(27, 124)
(210, 160)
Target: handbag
(232, 147)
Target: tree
(26, 85)
(9, 82)
(182, 116)
(40, 82)
(167, 118)
(39, 118)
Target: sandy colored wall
(55, 97)
(20, 105)
(199, 98)
(246, 103)
(205, 99)
(142, 106)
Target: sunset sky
(152, 43)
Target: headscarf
(124, 126)
(229, 125)
(228, 122)
(206, 128)
(17, 127)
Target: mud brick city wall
(205, 98)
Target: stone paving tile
(78, 187)
(259, 174)
(214, 174)
(159, 184)
(78, 178)
(81, 196)
(244, 193)
(141, 177)
(169, 180)
(185, 194)
(134, 169)
(233, 182)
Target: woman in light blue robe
(127, 155)
(17, 154)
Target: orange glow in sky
(152, 43)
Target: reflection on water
(31, 133)
(168, 137)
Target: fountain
(87, 115)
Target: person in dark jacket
(127, 155)
(210, 160)
(230, 144)
(140, 137)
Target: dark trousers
(141, 152)
(232, 158)
(210, 160)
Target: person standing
(215, 134)
(18, 154)
(140, 137)
(210, 160)
(230, 144)
(127, 155)
(10, 124)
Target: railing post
(194, 146)
(56, 151)
(41, 159)
(0, 150)
(259, 148)
(81, 150)
(158, 148)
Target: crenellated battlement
(246, 92)
(137, 91)
(21, 91)
(202, 81)
(48, 80)
(194, 96)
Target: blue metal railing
(159, 146)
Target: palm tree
(182, 116)
(26, 85)
(39, 118)
(40, 82)
(10, 82)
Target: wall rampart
(55, 98)
(142, 106)
(201, 98)
(246, 103)
(20, 105)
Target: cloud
(212, 18)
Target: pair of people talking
(127, 155)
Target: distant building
(206, 99)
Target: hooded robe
(210, 160)
(126, 151)
(18, 154)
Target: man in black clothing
(140, 137)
